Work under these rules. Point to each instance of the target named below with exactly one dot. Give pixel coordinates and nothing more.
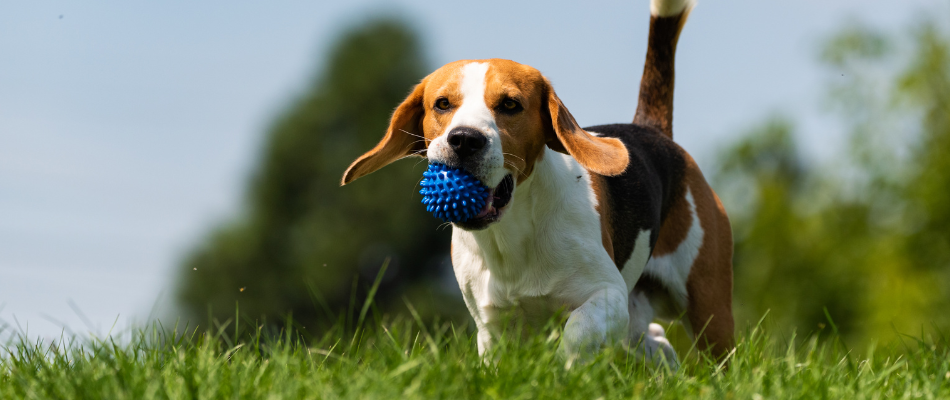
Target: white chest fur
(546, 254)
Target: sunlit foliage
(867, 234)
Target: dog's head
(492, 118)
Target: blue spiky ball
(452, 194)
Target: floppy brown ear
(605, 156)
(399, 141)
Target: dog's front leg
(602, 319)
(485, 341)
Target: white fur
(474, 113)
(666, 8)
(544, 256)
(673, 269)
(633, 268)
(656, 330)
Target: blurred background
(181, 161)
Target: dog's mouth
(498, 198)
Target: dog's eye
(442, 103)
(510, 105)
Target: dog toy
(452, 194)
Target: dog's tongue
(488, 204)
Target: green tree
(867, 235)
(301, 239)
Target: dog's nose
(466, 141)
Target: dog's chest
(530, 281)
(546, 255)
(530, 293)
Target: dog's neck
(553, 205)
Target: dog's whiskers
(416, 186)
(412, 153)
(417, 152)
(421, 160)
(512, 163)
(513, 166)
(412, 134)
(413, 144)
(522, 160)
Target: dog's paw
(656, 330)
(657, 348)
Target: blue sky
(127, 128)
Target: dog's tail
(655, 107)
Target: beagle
(614, 224)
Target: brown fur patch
(604, 156)
(398, 142)
(675, 227)
(522, 133)
(606, 216)
(709, 284)
(443, 82)
(655, 106)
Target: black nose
(466, 141)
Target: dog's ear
(401, 140)
(605, 156)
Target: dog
(614, 224)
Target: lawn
(407, 359)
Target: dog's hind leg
(648, 337)
(709, 285)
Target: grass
(405, 359)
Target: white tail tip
(666, 8)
